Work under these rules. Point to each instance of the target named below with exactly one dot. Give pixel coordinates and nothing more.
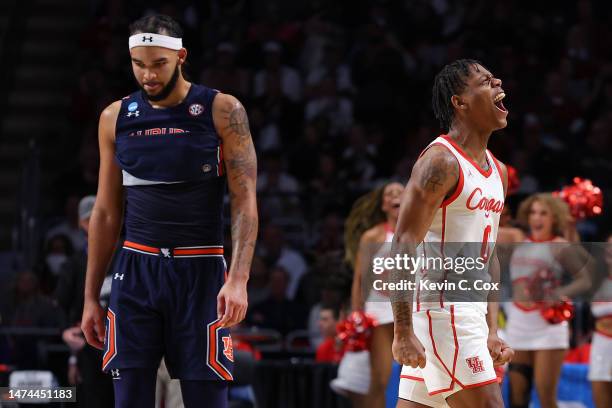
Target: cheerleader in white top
(369, 225)
(600, 364)
(537, 267)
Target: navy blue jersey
(172, 165)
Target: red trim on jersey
(499, 170)
(480, 384)
(525, 308)
(460, 182)
(409, 377)
(442, 252)
(433, 342)
(468, 158)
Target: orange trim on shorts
(201, 251)
(212, 353)
(110, 338)
(141, 247)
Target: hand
(73, 337)
(74, 375)
(408, 350)
(494, 344)
(506, 355)
(92, 323)
(232, 303)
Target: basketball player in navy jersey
(166, 152)
(455, 194)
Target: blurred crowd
(338, 96)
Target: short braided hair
(451, 80)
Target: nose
(148, 75)
(497, 82)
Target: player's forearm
(104, 230)
(245, 224)
(401, 301)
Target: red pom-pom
(513, 180)
(355, 331)
(559, 312)
(584, 199)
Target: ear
(182, 55)
(458, 102)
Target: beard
(166, 90)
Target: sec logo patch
(195, 109)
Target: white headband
(155, 40)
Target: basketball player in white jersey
(455, 194)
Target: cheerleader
(539, 262)
(364, 375)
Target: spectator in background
(58, 249)
(84, 364)
(330, 104)
(290, 81)
(274, 251)
(258, 288)
(278, 312)
(333, 66)
(28, 307)
(276, 188)
(359, 160)
(329, 351)
(69, 226)
(224, 75)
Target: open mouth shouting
(497, 101)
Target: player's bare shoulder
(230, 117)
(436, 172)
(108, 120)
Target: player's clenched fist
(408, 350)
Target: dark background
(338, 96)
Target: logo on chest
(477, 201)
(195, 109)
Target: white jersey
(530, 257)
(469, 216)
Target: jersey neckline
(486, 173)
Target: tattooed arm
(434, 177)
(232, 124)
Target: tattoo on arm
(435, 174)
(237, 120)
(241, 164)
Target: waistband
(178, 252)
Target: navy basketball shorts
(164, 304)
